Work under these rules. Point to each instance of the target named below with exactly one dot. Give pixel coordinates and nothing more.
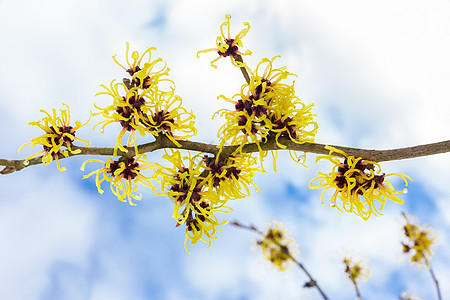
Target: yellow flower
(228, 46)
(58, 134)
(245, 124)
(201, 223)
(194, 205)
(140, 105)
(356, 270)
(419, 240)
(271, 78)
(200, 187)
(123, 175)
(181, 182)
(143, 74)
(287, 115)
(230, 179)
(277, 247)
(267, 109)
(166, 116)
(357, 184)
(129, 111)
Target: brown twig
(163, 142)
(238, 58)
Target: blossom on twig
(230, 179)
(356, 270)
(267, 108)
(141, 105)
(142, 69)
(228, 46)
(277, 247)
(166, 116)
(58, 133)
(127, 109)
(357, 184)
(419, 240)
(123, 175)
(194, 205)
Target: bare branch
(436, 282)
(238, 58)
(163, 142)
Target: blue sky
(377, 73)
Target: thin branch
(436, 282)
(163, 142)
(311, 282)
(358, 293)
(238, 58)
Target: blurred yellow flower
(123, 175)
(228, 46)
(419, 240)
(407, 296)
(356, 270)
(58, 134)
(357, 184)
(277, 247)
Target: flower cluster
(141, 103)
(419, 240)
(200, 187)
(357, 184)
(58, 134)
(267, 109)
(277, 247)
(123, 175)
(265, 112)
(228, 46)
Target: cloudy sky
(377, 72)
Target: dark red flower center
(193, 222)
(182, 188)
(162, 119)
(129, 172)
(232, 49)
(56, 138)
(341, 180)
(216, 168)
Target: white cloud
(45, 223)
